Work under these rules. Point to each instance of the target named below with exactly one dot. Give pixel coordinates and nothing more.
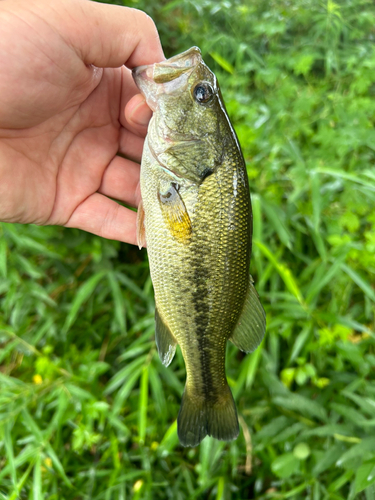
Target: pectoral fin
(251, 324)
(165, 341)
(175, 214)
(141, 235)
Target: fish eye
(203, 92)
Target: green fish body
(196, 217)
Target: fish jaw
(168, 77)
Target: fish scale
(196, 218)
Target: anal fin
(165, 341)
(251, 324)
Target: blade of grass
(169, 441)
(226, 65)
(37, 479)
(119, 309)
(22, 481)
(125, 390)
(360, 281)
(299, 343)
(84, 292)
(220, 488)
(122, 375)
(278, 224)
(344, 175)
(7, 428)
(143, 400)
(3, 257)
(284, 273)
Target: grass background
(87, 411)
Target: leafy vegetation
(86, 408)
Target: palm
(90, 141)
(74, 148)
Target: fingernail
(142, 114)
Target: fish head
(190, 122)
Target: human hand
(68, 106)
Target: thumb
(110, 35)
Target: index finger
(110, 35)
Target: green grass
(87, 411)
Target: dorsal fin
(251, 324)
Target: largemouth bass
(196, 217)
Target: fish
(195, 218)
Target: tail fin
(198, 418)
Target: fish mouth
(166, 77)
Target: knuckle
(109, 221)
(146, 22)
